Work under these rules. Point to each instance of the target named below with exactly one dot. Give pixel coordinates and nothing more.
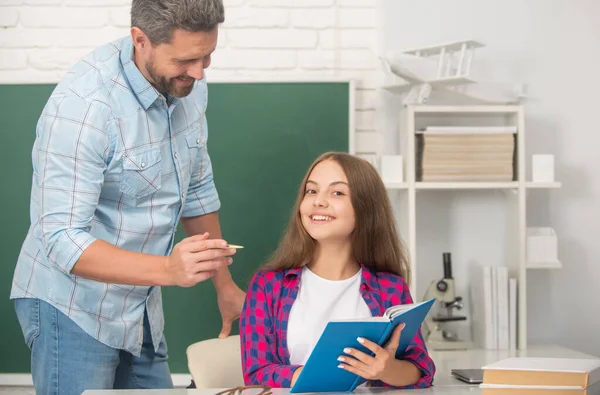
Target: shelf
(489, 109)
(455, 185)
(540, 185)
(543, 265)
(474, 185)
(466, 185)
(512, 195)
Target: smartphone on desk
(471, 376)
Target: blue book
(321, 372)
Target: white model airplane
(445, 70)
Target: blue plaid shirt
(112, 160)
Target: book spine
(419, 149)
(383, 337)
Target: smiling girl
(340, 258)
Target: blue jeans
(66, 360)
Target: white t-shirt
(319, 301)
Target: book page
(394, 311)
(364, 319)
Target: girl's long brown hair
(375, 241)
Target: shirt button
(143, 164)
(183, 195)
(176, 155)
(197, 141)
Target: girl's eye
(338, 193)
(310, 192)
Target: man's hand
(230, 297)
(230, 301)
(196, 259)
(378, 367)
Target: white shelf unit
(404, 195)
(474, 185)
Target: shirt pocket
(195, 144)
(142, 172)
(194, 140)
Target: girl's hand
(296, 374)
(378, 367)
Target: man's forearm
(104, 262)
(209, 223)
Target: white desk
(445, 361)
(453, 390)
(443, 382)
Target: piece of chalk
(234, 246)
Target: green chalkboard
(262, 138)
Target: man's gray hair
(158, 18)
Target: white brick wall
(40, 39)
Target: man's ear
(139, 38)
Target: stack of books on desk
(461, 153)
(537, 376)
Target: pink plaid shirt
(264, 321)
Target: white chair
(216, 363)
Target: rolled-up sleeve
(418, 355)
(69, 160)
(416, 352)
(202, 193)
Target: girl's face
(326, 210)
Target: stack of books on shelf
(537, 376)
(465, 153)
(493, 296)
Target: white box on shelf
(542, 168)
(369, 142)
(392, 169)
(542, 247)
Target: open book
(321, 372)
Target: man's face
(173, 67)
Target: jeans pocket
(28, 314)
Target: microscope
(436, 336)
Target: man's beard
(166, 86)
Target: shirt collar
(368, 280)
(143, 90)
(293, 272)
